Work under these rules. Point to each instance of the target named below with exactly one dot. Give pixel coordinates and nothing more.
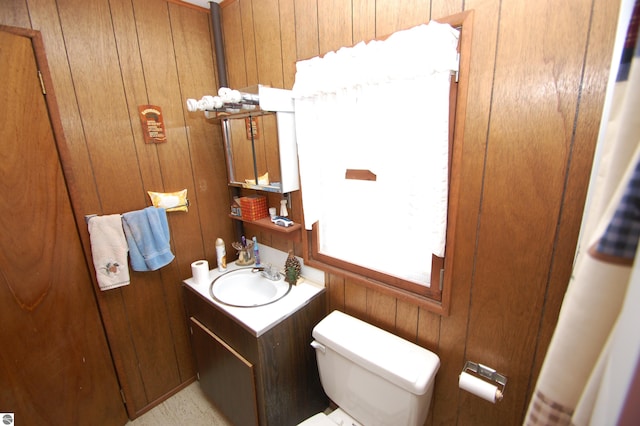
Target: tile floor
(187, 407)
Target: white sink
(247, 287)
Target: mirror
(259, 134)
(253, 152)
(260, 143)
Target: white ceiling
(202, 3)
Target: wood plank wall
(537, 83)
(106, 58)
(538, 74)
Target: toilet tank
(376, 377)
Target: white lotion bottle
(221, 255)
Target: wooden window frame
(435, 298)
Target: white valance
(405, 55)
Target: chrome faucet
(270, 272)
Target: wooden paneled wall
(537, 84)
(538, 75)
(106, 58)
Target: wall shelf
(290, 232)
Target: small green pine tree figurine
(291, 269)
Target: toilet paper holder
(487, 373)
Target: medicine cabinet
(260, 143)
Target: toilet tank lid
(401, 362)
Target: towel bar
(88, 217)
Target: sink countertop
(260, 319)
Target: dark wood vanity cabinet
(267, 380)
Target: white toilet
(375, 377)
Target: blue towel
(147, 233)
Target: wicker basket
(254, 207)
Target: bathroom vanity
(256, 364)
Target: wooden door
(55, 365)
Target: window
(372, 175)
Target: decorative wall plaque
(253, 131)
(152, 124)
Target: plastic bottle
(221, 255)
(256, 251)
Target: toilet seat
(336, 417)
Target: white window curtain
(381, 106)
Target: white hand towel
(109, 248)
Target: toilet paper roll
(200, 272)
(479, 387)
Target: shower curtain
(575, 385)
(382, 107)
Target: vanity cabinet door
(225, 376)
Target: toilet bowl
(375, 378)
